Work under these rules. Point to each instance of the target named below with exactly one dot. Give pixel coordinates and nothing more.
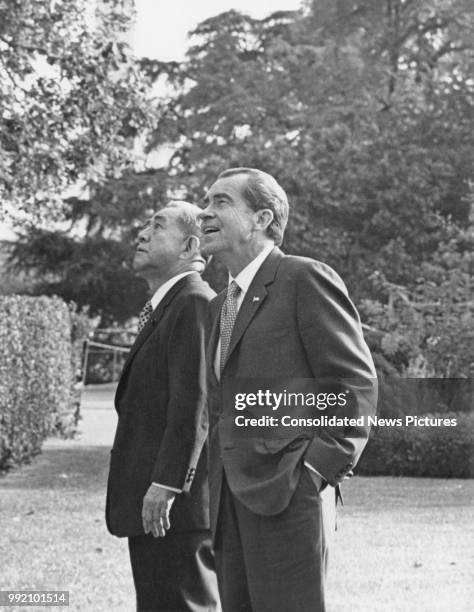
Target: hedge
(416, 396)
(81, 328)
(408, 450)
(40, 339)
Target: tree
(71, 101)
(310, 101)
(89, 261)
(362, 110)
(427, 329)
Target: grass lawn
(402, 544)
(53, 535)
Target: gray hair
(188, 218)
(189, 222)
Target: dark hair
(262, 191)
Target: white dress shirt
(155, 300)
(165, 287)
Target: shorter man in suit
(157, 490)
(282, 318)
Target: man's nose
(142, 236)
(205, 214)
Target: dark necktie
(144, 315)
(228, 315)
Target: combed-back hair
(189, 222)
(261, 191)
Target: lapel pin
(256, 299)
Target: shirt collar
(245, 277)
(165, 287)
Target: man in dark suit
(282, 318)
(157, 493)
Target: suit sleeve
(186, 418)
(340, 361)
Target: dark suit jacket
(162, 418)
(296, 321)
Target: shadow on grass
(74, 467)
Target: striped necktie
(228, 315)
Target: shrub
(416, 396)
(36, 374)
(81, 327)
(440, 452)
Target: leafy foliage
(363, 111)
(71, 100)
(41, 341)
(309, 100)
(407, 450)
(428, 327)
(90, 261)
(91, 272)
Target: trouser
(274, 563)
(174, 573)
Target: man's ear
(190, 247)
(263, 218)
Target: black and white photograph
(236, 305)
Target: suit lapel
(155, 319)
(253, 299)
